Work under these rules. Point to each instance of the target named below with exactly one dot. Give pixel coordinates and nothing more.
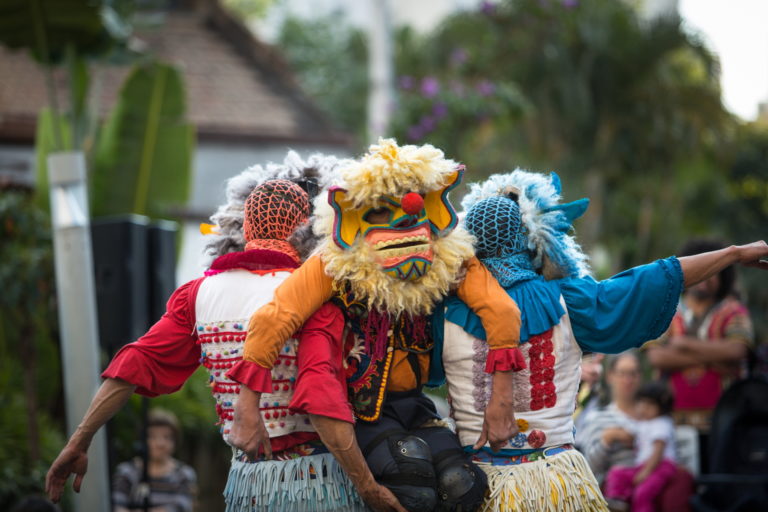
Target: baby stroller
(738, 452)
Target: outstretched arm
(73, 459)
(702, 266)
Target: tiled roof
(237, 87)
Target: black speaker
(162, 266)
(134, 265)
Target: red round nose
(412, 203)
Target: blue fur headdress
(522, 229)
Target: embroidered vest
(544, 392)
(224, 305)
(371, 340)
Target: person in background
(172, 484)
(590, 387)
(706, 346)
(35, 504)
(603, 439)
(654, 464)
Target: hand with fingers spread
(73, 460)
(499, 424)
(248, 432)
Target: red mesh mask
(272, 213)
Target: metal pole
(77, 314)
(381, 97)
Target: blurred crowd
(678, 379)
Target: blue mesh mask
(501, 242)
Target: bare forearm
(720, 351)
(655, 458)
(339, 437)
(671, 359)
(109, 399)
(502, 386)
(702, 266)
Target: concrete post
(77, 314)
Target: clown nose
(412, 203)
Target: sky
(737, 30)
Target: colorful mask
(389, 227)
(400, 228)
(521, 227)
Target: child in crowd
(655, 453)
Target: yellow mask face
(402, 240)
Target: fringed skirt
(553, 483)
(304, 484)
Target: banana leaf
(48, 27)
(48, 124)
(143, 154)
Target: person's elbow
(735, 352)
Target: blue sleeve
(625, 310)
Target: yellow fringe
(562, 482)
(389, 169)
(357, 265)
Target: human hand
(591, 368)
(380, 499)
(753, 255)
(618, 435)
(248, 432)
(72, 460)
(679, 342)
(499, 425)
(640, 476)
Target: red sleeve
(321, 386)
(504, 360)
(252, 375)
(164, 358)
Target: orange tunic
(309, 287)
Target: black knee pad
(403, 464)
(461, 485)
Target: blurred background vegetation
(627, 110)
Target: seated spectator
(171, 483)
(603, 437)
(35, 504)
(654, 465)
(604, 440)
(590, 387)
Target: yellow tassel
(209, 229)
(562, 482)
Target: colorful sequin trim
(512, 460)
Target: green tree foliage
(330, 59)
(614, 103)
(29, 364)
(747, 210)
(628, 110)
